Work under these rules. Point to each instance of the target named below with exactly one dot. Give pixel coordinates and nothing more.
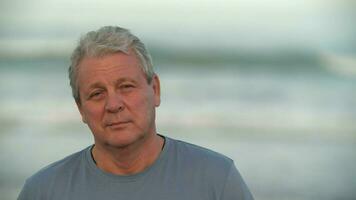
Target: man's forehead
(110, 63)
(114, 75)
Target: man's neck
(130, 160)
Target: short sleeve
(235, 187)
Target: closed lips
(117, 123)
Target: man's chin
(123, 140)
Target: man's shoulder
(201, 155)
(58, 169)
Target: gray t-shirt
(182, 171)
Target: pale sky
(248, 24)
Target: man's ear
(79, 106)
(156, 89)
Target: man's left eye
(127, 85)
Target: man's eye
(95, 94)
(126, 86)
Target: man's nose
(114, 103)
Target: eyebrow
(95, 85)
(118, 81)
(125, 79)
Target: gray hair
(105, 41)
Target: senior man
(117, 92)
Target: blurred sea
(290, 126)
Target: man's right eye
(95, 94)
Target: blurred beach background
(271, 84)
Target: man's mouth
(117, 124)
